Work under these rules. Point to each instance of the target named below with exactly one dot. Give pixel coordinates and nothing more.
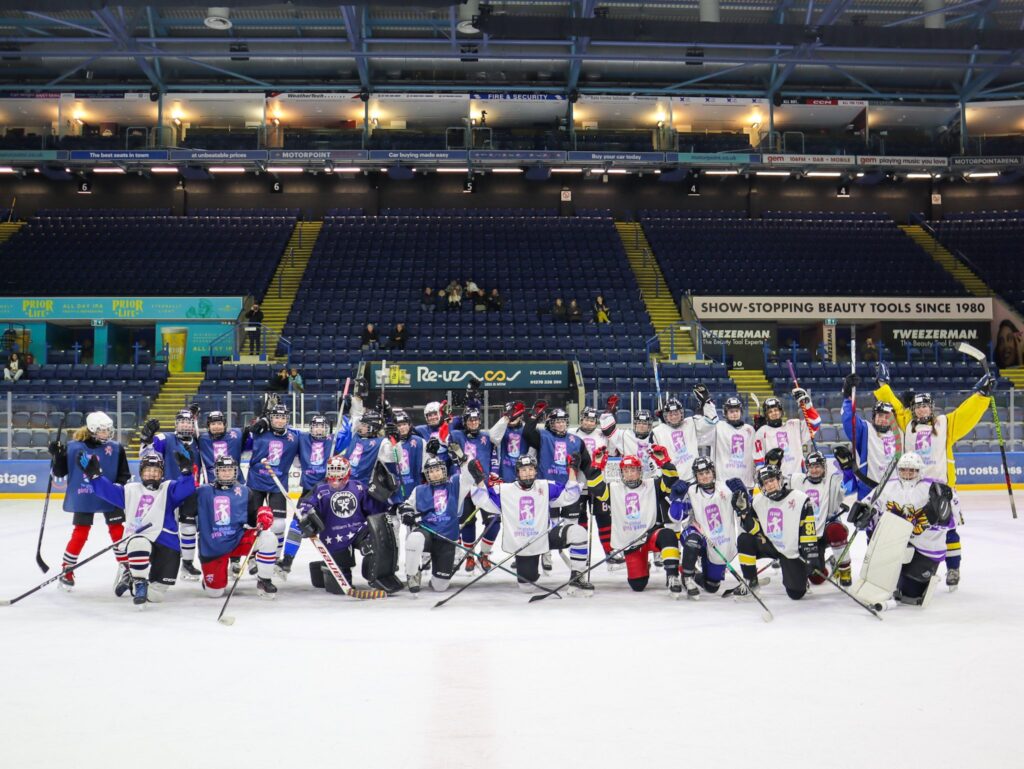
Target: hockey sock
(491, 533)
(116, 531)
(604, 530)
(278, 531)
(79, 534)
(467, 534)
(577, 538)
(691, 551)
(952, 549)
(187, 539)
(266, 554)
(836, 536)
(746, 543)
(293, 540)
(137, 554)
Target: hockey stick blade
(229, 621)
(970, 350)
(589, 569)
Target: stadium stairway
(288, 276)
(173, 396)
(9, 228)
(751, 381)
(656, 294)
(1015, 375)
(945, 258)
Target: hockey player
(342, 511)
(787, 435)
(778, 525)
(635, 502)
(272, 440)
(686, 437)
(932, 437)
(474, 443)
(410, 450)
(218, 441)
(702, 511)
(910, 520)
(232, 518)
(152, 555)
(638, 441)
(434, 414)
(732, 448)
(366, 443)
(825, 491)
(525, 509)
(432, 515)
(507, 435)
(877, 442)
(594, 439)
(94, 439)
(168, 445)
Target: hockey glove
(860, 515)
(264, 518)
(382, 483)
(881, 374)
(851, 381)
(774, 457)
(573, 462)
(433, 446)
(539, 407)
(184, 461)
(409, 515)
(515, 411)
(660, 455)
(90, 464)
(608, 423)
(940, 503)
(985, 385)
(759, 422)
(345, 405)
(735, 484)
(391, 432)
(612, 404)
(456, 452)
(679, 489)
(194, 410)
(56, 448)
(741, 501)
(361, 387)
(446, 410)
(476, 471)
(702, 394)
(310, 525)
(803, 400)
(151, 428)
(493, 480)
(600, 459)
(844, 457)
(260, 426)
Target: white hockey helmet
(100, 426)
(909, 466)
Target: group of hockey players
(686, 494)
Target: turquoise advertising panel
(120, 307)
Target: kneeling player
(910, 520)
(825, 490)
(525, 509)
(153, 555)
(230, 520)
(779, 525)
(345, 514)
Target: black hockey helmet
(468, 414)
(816, 460)
(526, 462)
(768, 405)
(702, 465)
(673, 406)
(642, 417)
(557, 415)
(215, 416)
(438, 469)
(184, 424)
(277, 412)
(766, 473)
(148, 461)
(318, 421)
(373, 421)
(225, 470)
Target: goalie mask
(909, 466)
(769, 478)
(151, 470)
(632, 471)
(673, 412)
(526, 470)
(883, 415)
(225, 471)
(704, 473)
(100, 426)
(642, 423)
(733, 411)
(338, 470)
(816, 467)
(773, 412)
(216, 424)
(435, 471)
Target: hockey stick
(978, 355)
(497, 566)
(657, 382)
(69, 569)
(855, 599)
(796, 384)
(46, 505)
(853, 394)
(471, 550)
(467, 550)
(766, 615)
(589, 569)
(222, 618)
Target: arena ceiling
(931, 50)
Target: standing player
(732, 449)
(92, 440)
(474, 445)
(595, 439)
(877, 442)
(683, 436)
(218, 441)
(272, 440)
(434, 414)
(365, 446)
(507, 435)
(825, 491)
(787, 435)
(152, 555)
(638, 441)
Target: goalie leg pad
(316, 574)
(380, 554)
(916, 579)
(883, 562)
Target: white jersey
(525, 513)
(142, 506)
(627, 442)
(593, 440)
(881, 448)
(712, 514)
(908, 499)
(780, 521)
(790, 436)
(684, 442)
(826, 496)
(733, 452)
(931, 446)
(633, 511)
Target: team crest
(344, 504)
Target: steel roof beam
(579, 45)
(120, 33)
(356, 41)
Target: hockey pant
(638, 566)
(794, 571)
(564, 534)
(442, 557)
(187, 512)
(916, 576)
(276, 501)
(215, 570)
(834, 536)
(81, 524)
(695, 548)
(150, 561)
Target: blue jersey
(313, 455)
(409, 468)
(228, 444)
(81, 496)
(439, 506)
(343, 511)
(362, 454)
(477, 446)
(221, 519)
(279, 451)
(513, 445)
(179, 490)
(169, 444)
(554, 455)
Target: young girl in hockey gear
(732, 448)
(475, 444)
(877, 441)
(432, 515)
(366, 445)
(635, 502)
(636, 442)
(168, 446)
(434, 414)
(912, 511)
(779, 524)
(344, 513)
(683, 436)
(272, 440)
(525, 507)
(933, 438)
(231, 518)
(81, 500)
(787, 435)
(507, 435)
(594, 439)
(153, 554)
(218, 441)
(702, 511)
(825, 491)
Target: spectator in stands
(472, 288)
(278, 382)
(13, 371)
(427, 300)
(870, 351)
(253, 320)
(574, 314)
(558, 311)
(455, 298)
(602, 313)
(452, 285)
(479, 301)
(1009, 351)
(296, 381)
(442, 300)
(396, 341)
(370, 339)
(494, 300)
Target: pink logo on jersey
(440, 500)
(632, 506)
(513, 444)
(220, 449)
(714, 516)
(471, 450)
(738, 445)
(357, 454)
(678, 440)
(145, 503)
(560, 452)
(527, 511)
(815, 497)
(316, 453)
(923, 441)
(782, 439)
(403, 460)
(888, 444)
(274, 452)
(590, 443)
(221, 511)
(774, 527)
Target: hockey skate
(140, 592)
(545, 562)
(692, 591)
(675, 585)
(414, 582)
(470, 564)
(123, 581)
(485, 562)
(189, 572)
(236, 566)
(952, 579)
(67, 581)
(741, 592)
(283, 567)
(579, 585)
(266, 589)
(616, 563)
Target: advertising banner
(816, 308)
(187, 343)
(896, 335)
(318, 154)
(744, 342)
(971, 161)
(117, 155)
(717, 159)
(616, 157)
(120, 308)
(500, 96)
(440, 375)
(206, 155)
(808, 160)
(900, 161)
(551, 155)
(985, 468)
(423, 156)
(28, 155)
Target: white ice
(487, 681)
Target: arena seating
(793, 256)
(144, 255)
(991, 241)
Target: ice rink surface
(618, 680)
